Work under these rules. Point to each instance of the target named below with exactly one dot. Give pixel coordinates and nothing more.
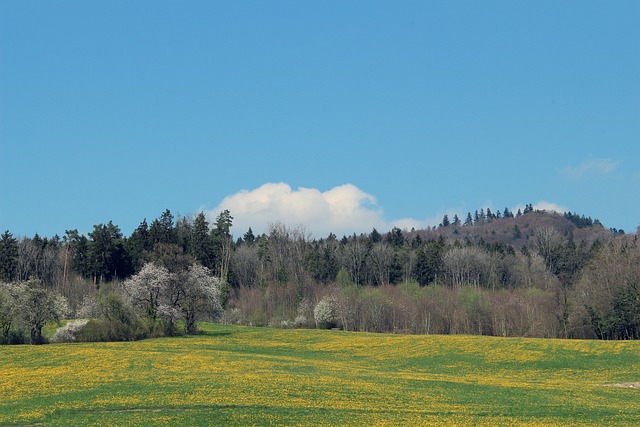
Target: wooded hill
(532, 273)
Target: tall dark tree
(162, 230)
(428, 262)
(395, 237)
(375, 237)
(202, 242)
(78, 253)
(138, 245)
(184, 234)
(107, 254)
(248, 237)
(8, 256)
(489, 214)
(323, 262)
(516, 232)
(469, 220)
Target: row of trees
(280, 276)
(149, 303)
(601, 301)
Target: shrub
(104, 330)
(68, 332)
(325, 313)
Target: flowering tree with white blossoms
(147, 289)
(325, 312)
(188, 295)
(201, 296)
(36, 306)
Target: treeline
(134, 287)
(530, 273)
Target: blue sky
(339, 115)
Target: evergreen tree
(375, 237)
(138, 245)
(79, 253)
(456, 220)
(184, 235)
(162, 229)
(445, 221)
(428, 262)
(516, 232)
(107, 255)
(202, 247)
(394, 237)
(469, 220)
(8, 256)
(249, 238)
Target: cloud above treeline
(591, 167)
(342, 210)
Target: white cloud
(342, 210)
(591, 167)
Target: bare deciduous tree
(466, 266)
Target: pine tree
(8, 256)
(516, 232)
(248, 237)
(162, 230)
(138, 244)
(395, 237)
(202, 244)
(375, 237)
(489, 215)
(469, 220)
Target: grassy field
(235, 376)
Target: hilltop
(519, 231)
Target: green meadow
(238, 376)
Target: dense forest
(530, 273)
